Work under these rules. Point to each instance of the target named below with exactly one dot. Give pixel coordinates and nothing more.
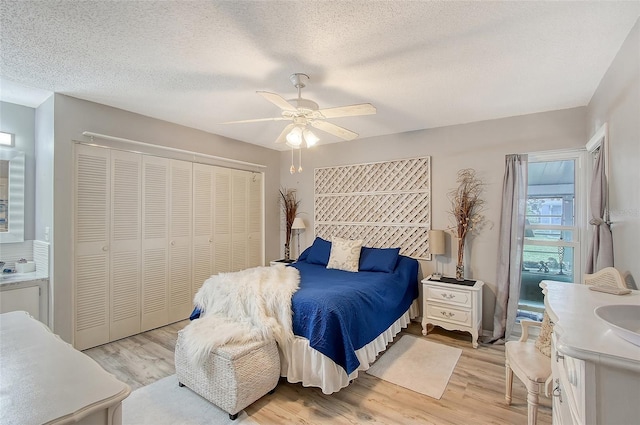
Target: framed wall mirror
(12, 164)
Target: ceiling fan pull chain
(292, 170)
(299, 160)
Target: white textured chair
(531, 366)
(609, 276)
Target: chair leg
(532, 406)
(508, 383)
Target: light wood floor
(474, 395)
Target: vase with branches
(290, 205)
(466, 208)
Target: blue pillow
(319, 252)
(378, 259)
(304, 254)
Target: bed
(342, 320)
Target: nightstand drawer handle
(447, 314)
(447, 296)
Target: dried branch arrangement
(290, 209)
(466, 206)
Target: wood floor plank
(475, 393)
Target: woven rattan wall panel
(387, 204)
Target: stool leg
(233, 417)
(532, 406)
(180, 384)
(508, 382)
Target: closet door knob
(173, 243)
(105, 248)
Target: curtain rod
(167, 148)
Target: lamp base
(435, 276)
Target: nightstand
(283, 261)
(453, 306)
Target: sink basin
(622, 319)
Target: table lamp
(298, 225)
(436, 247)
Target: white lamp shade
(309, 137)
(294, 138)
(298, 224)
(436, 242)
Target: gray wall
(74, 116)
(481, 146)
(44, 164)
(617, 102)
(20, 121)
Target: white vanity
(26, 292)
(596, 374)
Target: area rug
(166, 403)
(417, 364)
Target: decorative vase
(459, 271)
(460, 264)
(287, 252)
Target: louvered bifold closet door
(202, 224)
(180, 240)
(155, 242)
(222, 220)
(125, 244)
(239, 225)
(255, 214)
(91, 248)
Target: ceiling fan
(304, 112)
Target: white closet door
(222, 221)
(239, 215)
(202, 224)
(255, 214)
(180, 240)
(91, 250)
(125, 244)
(155, 242)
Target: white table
(453, 307)
(44, 380)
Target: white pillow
(345, 254)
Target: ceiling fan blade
(255, 120)
(277, 100)
(283, 136)
(348, 111)
(336, 130)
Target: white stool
(233, 376)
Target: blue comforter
(340, 312)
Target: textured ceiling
(422, 64)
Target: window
(552, 249)
(6, 139)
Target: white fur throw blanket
(248, 305)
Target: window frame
(579, 228)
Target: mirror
(11, 196)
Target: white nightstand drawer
(448, 314)
(449, 296)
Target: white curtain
(601, 249)
(511, 242)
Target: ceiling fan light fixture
(294, 138)
(309, 137)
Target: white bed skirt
(301, 363)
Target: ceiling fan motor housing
(304, 105)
